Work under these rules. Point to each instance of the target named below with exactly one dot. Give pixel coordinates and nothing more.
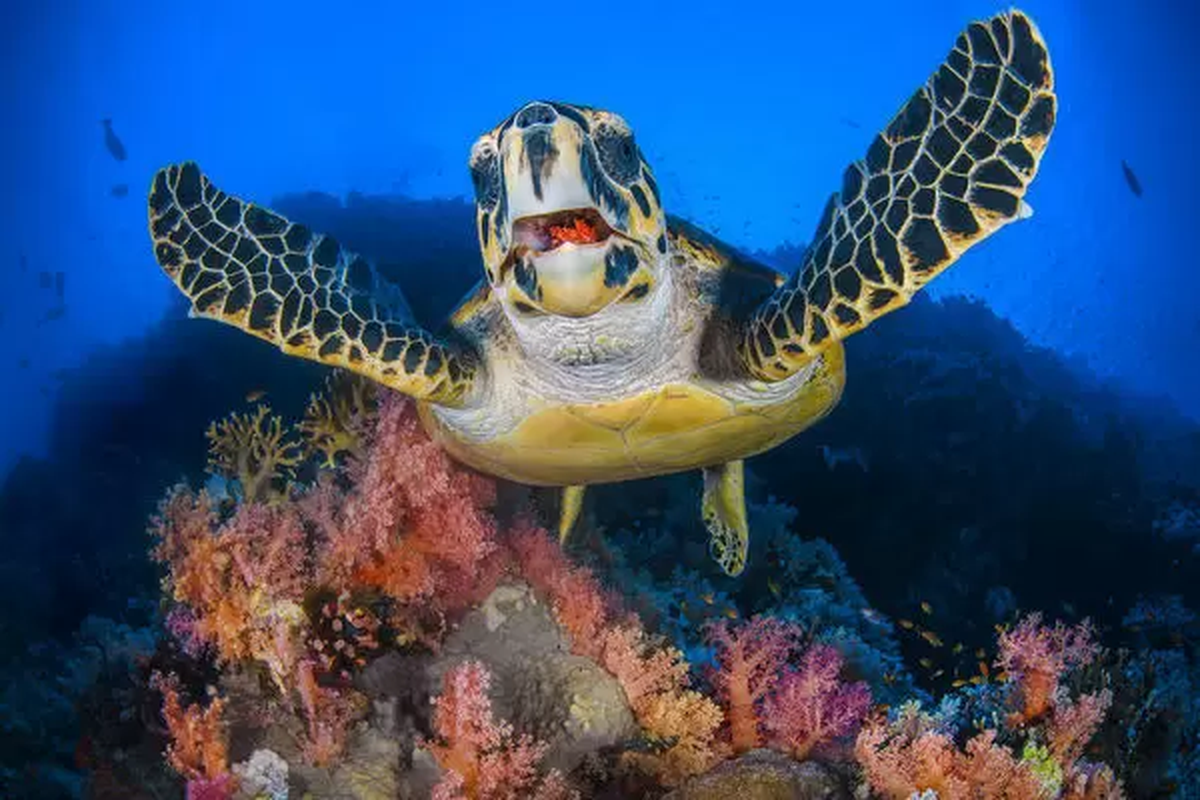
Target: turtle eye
(485, 176)
(618, 154)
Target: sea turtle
(608, 341)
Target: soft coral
(483, 758)
(769, 700)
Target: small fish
(907, 624)
(111, 141)
(983, 670)
(977, 680)
(980, 653)
(926, 663)
(58, 312)
(773, 587)
(849, 123)
(119, 190)
(255, 395)
(731, 613)
(958, 648)
(60, 284)
(931, 637)
(938, 674)
(928, 609)
(958, 683)
(1131, 179)
(843, 455)
(23, 363)
(872, 616)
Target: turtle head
(568, 212)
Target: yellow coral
(333, 421)
(253, 450)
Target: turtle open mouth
(545, 232)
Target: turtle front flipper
(248, 267)
(951, 169)
(724, 511)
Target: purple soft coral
(812, 706)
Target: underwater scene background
(229, 573)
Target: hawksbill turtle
(608, 341)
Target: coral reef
(319, 604)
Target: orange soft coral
(484, 759)
(199, 747)
(244, 580)
(902, 764)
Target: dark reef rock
(538, 685)
(764, 775)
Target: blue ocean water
(748, 113)
(749, 117)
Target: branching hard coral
(1035, 657)
(335, 421)
(199, 747)
(484, 759)
(812, 706)
(253, 449)
(750, 658)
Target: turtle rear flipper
(723, 508)
(248, 267)
(951, 169)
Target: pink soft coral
(1035, 656)
(768, 701)
(812, 706)
(750, 658)
(415, 525)
(484, 759)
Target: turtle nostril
(535, 114)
